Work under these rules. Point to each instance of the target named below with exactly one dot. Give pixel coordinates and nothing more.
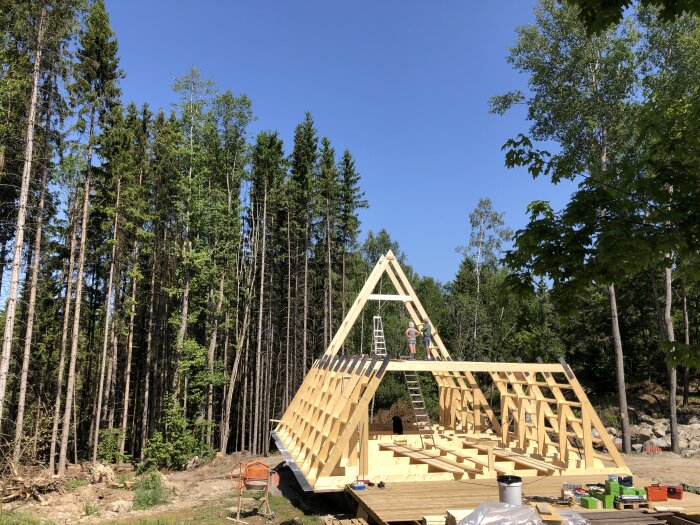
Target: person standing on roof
(411, 334)
(426, 337)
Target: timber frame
(543, 425)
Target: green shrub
(179, 443)
(149, 491)
(108, 448)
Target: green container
(627, 491)
(607, 499)
(640, 492)
(612, 487)
(589, 502)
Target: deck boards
(410, 501)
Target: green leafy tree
(582, 98)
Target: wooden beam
(389, 297)
(469, 366)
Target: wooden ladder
(379, 341)
(420, 412)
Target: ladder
(378, 337)
(420, 412)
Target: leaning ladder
(420, 412)
(379, 347)
(378, 338)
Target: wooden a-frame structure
(544, 424)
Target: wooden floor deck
(410, 501)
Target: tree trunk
(13, 293)
(211, 357)
(129, 351)
(64, 345)
(107, 326)
(686, 341)
(75, 336)
(19, 424)
(259, 401)
(305, 320)
(672, 380)
(289, 313)
(620, 372)
(149, 352)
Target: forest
(168, 278)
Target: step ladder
(420, 412)
(378, 336)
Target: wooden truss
(542, 423)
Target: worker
(411, 334)
(426, 338)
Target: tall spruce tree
(93, 94)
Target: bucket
(510, 490)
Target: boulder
(637, 447)
(660, 429)
(688, 453)
(612, 431)
(657, 442)
(642, 435)
(120, 506)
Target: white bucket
(510, 490)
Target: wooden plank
(424, 458)
(389, 297)
(469, 366)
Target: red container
(656, 493)
(674, 492)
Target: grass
(20, 518)
(73, 484)
(90, 508)
(215, 514)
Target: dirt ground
(201, 495)
(665, 467)
(204, 495)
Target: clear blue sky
(403, 84)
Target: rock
(695, 425)
(656, 442)
(638, 447)
(595, 433)
(660, 429)
(688, 453)
(642, 435)
(100, 473)
(683, 443)
(612, 431)
(120, 506)
(618, 443)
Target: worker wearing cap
(426, 337)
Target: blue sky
(403, 84)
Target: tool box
(656, 492)
(674, 492)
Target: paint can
(510, 490)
